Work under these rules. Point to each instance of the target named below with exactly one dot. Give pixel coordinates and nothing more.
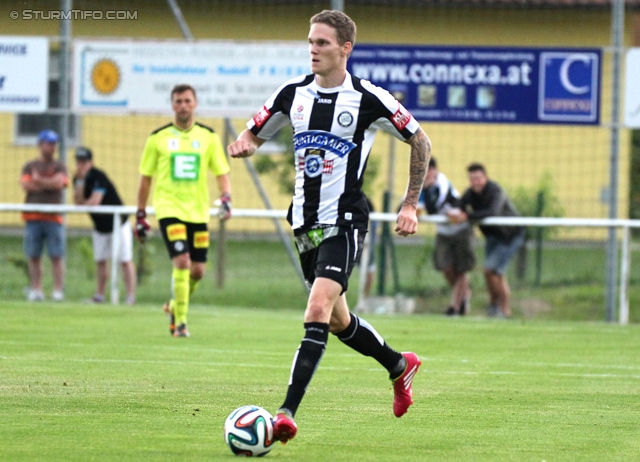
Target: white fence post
(625, 264)
(115, 258)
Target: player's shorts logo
(177, 232)
(201, 239)
(345, 119)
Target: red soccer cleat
(402, 385)
(284, 428)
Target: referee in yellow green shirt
(178, 156)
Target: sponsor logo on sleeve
(261, 117)
(401, 118)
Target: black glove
(225, 206)
(142, 225)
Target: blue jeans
(39, 231)
(498, 252)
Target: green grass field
(88, 382)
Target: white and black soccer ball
(248, 431)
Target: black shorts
(334, 258)
(181, 237)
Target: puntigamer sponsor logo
(323, 140)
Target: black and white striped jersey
(333, 132)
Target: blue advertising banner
(486, 85)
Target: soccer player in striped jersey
(335, 117)
(178, 155)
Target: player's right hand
(142, 225)
(241, 148)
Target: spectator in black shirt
(485, 198)
(91, 186)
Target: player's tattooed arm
(420, 154)
(407, 222)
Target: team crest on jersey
(299, 115)
(325, 141)
(195, 144)
(401, 118)
(345, 119)
(261, 117)
(174, 144)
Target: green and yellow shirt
(179, 160)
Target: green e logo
(185, 166)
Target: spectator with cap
(44, 180)
(91, 186)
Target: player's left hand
(407, 222)
(225, 206)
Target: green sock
(193, 285)
(180, 284)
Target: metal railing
(624, 224)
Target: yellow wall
(515, 155)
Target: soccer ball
(248, 431)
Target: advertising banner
(486, 85)
(24, 74)
(231, 78)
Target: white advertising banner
(24, 74)
(632, 89)
(231, 78)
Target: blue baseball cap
(48, 136)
